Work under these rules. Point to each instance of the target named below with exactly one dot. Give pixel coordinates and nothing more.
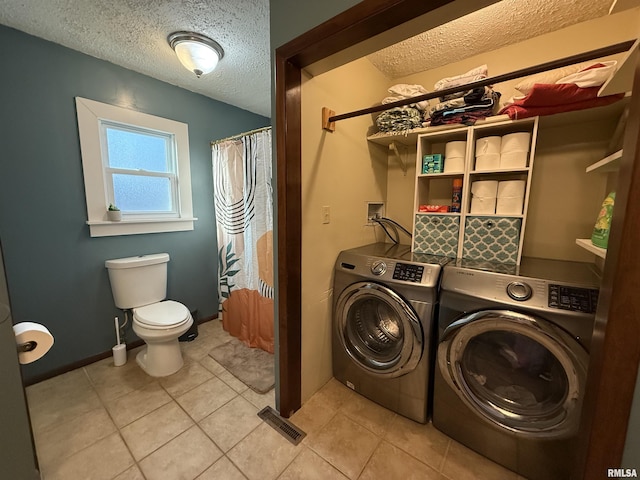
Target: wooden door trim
(359, 23)
(615, 349)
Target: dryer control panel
(573, 298)
(408, 272)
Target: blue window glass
(138, 193)
(137, 151)
(141, 168)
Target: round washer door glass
(518, 371)
(378, 329)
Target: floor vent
(282, 426)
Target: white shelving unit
(444, 233)
(622, 80)
(609, 164)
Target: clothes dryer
(385, 298)
(511, 362)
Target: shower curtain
(244, 219)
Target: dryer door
(378, 329)
(519, 372)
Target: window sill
(105, 228)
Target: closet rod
(563, 62)
(240, 135)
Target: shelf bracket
(401, 160)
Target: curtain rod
(240, 135)
(563, 62)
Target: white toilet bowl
(159, 325)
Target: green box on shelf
(432, 163)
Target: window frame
(91, 117)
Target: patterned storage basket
(494, 239)
(437, 235)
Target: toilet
(140, 284)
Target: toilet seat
(162, 315)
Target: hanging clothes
(244, 220)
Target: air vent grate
(282, 426)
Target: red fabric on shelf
(547, 99)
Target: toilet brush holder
(119, 354)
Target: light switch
(326, 214)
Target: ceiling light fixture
(196, 52)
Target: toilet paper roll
(485, 188)
(511, 188)
(483, 204)
(32, 337)
(509, 205)
(488, 145)
(514, 159)
(515, 142)
(454, 149)
(453, 164)
(488, 161)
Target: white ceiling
(133, 33)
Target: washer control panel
(573, 298)
(408, 272)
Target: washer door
(519, 372)
(378, 329)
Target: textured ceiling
(133, 33)
(495, 26)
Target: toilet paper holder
(27, 346)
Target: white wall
(339, 171)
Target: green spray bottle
(600, 236)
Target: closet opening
(615, 355)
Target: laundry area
(453, 247)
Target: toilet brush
(120, 350)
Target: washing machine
(385, 300)
(511, 360)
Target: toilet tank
(138, 281)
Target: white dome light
(196, 52)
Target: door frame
(615, 350)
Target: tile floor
(106, 422)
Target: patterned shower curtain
(244, 219)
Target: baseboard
(95, 358)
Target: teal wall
(55, 270)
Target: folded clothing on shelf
(561, 91)
(402, 91)
(399, 119)
(468, 114)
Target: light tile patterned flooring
(106, 422)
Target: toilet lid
(162, 314)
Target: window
(138, 162)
